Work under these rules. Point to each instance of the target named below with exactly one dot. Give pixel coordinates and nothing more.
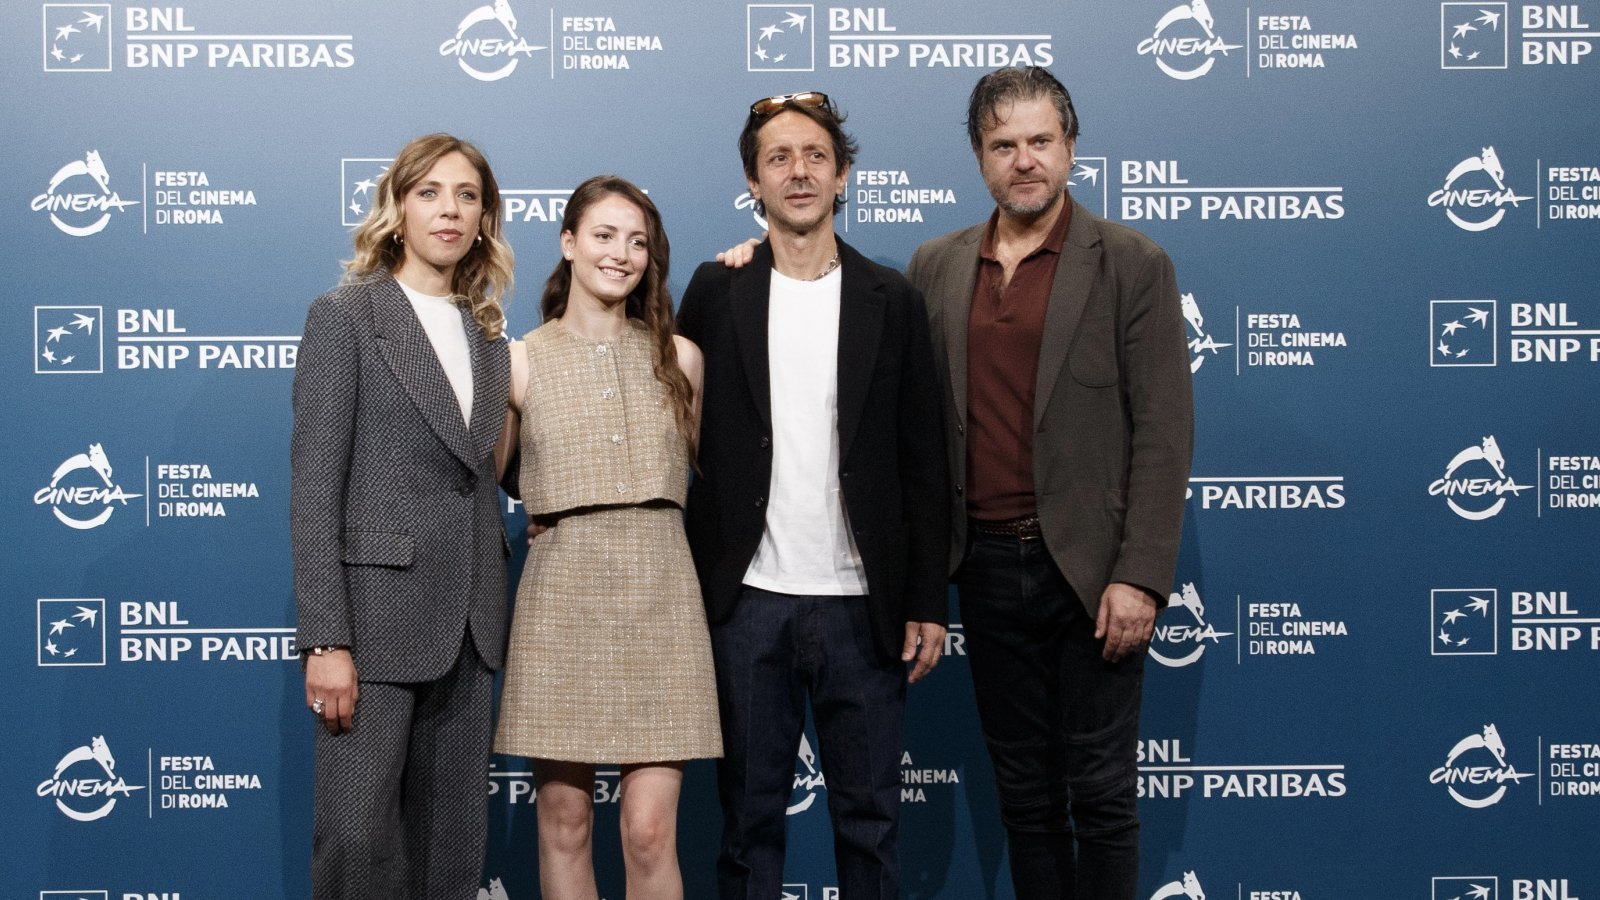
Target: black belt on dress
(1023, 529)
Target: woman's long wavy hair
(483, 277)
(650, 302)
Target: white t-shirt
(441, 319)
(806, 547)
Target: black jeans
(1061, 723)
(771, 654)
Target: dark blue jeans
(774, 651)
(1062, 724)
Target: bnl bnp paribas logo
(1185, 44)
(82, 493)
(68, 340)
(1474, 196)
(486, 44)
(1464, 333)
(1475, 772)
(1475, 484)
(72, 631)
(85, 784)
(1464, 622)
(77, 37)
(1455, 887)
(79, 199)
(1473, 36)
(780, 37)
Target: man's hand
(331, 678)
(1127, 618)
(535, 529)
(924, 643)
(738, 257)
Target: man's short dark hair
(1009, 85)
(825, 115)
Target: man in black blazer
(818, 521)
(1069, 421)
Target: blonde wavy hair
(484, 277)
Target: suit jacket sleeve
(1160, 404)
(689, 308)
(924, 474)
(326, 379)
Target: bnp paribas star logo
(780, 37)
(1463, 333)
(358, 180)
(1473, 36)
(68, 340)
(72, 632)
(1464, 621)
(77, 37)
(1466, 887)
(1087, 185)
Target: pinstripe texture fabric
(610, 659)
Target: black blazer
(892, 467)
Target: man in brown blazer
(1061, 351)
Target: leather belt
(1023, 529)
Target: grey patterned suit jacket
(394, 515)
(1113, 411)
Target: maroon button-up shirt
(1004, 330)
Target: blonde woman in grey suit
(610, 660)
(399, 551)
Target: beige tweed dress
(610, 659)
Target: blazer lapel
(489, 393)
(1080, 255)
(411, 358)
(749, 293)
(955, 308)
(860, 325)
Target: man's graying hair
(1009, 85)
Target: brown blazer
(1113, 409)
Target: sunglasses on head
(766, 106)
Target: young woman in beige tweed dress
(610, 659)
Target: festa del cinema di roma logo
(1481, 785)
(1473, 188)
(1186, 31)
(65, 497)
(78, 208)
(478, 44)
(1188, 887)
(94, 794)
(1169, 644)
(1474, 490)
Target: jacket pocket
(378, 548)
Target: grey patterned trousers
(401, 800)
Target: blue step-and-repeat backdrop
(1378, 674)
